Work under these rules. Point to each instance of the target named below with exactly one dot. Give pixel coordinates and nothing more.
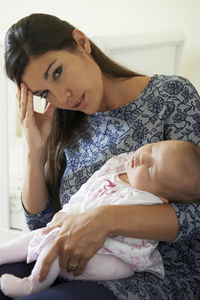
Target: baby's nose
(145, 158)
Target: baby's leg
(102, 267)
(15, 287)
(15, 250)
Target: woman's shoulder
(172, 84)
(164, 88)
(165, 78)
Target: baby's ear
(163, 199)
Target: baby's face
(153, 167)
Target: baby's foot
(14, 287)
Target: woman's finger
(49, 111)
(51, 255)
(18, 98)
(57, 221)
(18, 95)
(72, 265)
(19, 107)
(50, 227)
(30, 106)
(81, 266)
(24, 99)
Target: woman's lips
(78, 102)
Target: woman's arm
(34, 192)
(154, 222)
(82, 235)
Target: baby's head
(168, 169)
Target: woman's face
(71, 81)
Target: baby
(155, 173)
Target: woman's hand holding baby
(80, 237)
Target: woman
(97, 109)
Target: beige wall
(107, 17)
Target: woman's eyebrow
(46, 74)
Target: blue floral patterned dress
(168, 108)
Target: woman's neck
(121, 91)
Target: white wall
(107, 17)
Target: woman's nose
(62, 95)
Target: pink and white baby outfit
(106, 188)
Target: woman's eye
(57, 72)
(44, 94)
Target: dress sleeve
(41, 219)
(184, 124)
(189, 221)
(181, 115)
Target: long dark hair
(31, 37)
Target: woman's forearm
(155, 222)
(34, 192)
